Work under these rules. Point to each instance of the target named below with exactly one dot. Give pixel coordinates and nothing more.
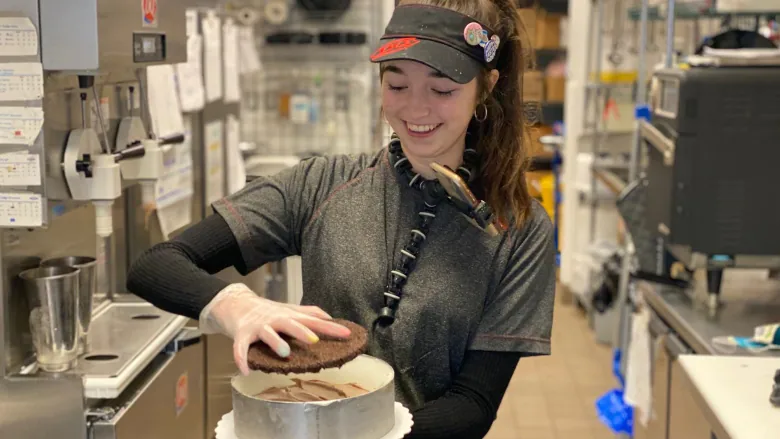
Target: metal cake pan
(369, 416)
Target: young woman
(449, 306)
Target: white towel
(638, 392)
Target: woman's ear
(493, 79)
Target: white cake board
(402, 427)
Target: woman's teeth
(421, 128)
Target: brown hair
(503, 139)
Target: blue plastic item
(615, 413)
(616, 356)
(642, 112)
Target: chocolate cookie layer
(326, 353)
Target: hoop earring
(484, 117)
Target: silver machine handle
(656, 138)
(187, 337)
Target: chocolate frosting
(311, 391)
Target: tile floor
(553, 397)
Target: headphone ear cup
(325, 9)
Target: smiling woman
(451, 308)
(457, 74)
(428, 111)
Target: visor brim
(449, 61)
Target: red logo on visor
(394, 46)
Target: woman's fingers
(268, 335)
(296, 330)
(240, 351)
(314, 311)
(265, 334)
(323, 327)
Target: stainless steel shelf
(124, 339)
(655, 13)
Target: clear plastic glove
(246, 317)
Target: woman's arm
(468, 409)
(176, 276)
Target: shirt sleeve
(518, 314)
(267, 217)
(469, 407)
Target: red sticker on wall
(182, 393)
(394, 46)
(149, 9)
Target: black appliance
(712, 167)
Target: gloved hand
(246, 317)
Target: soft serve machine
(78, 357)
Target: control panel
(149, 48)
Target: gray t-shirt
(349, 217)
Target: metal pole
(669, 33)
(598, 120)
(622, 304)
(640, 90)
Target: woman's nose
(418, 106)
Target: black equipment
(712, 167)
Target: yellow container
(547, 191)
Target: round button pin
(472, 33)
(490, 50)
(496, 39)
(483, 38)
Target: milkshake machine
(78, 356)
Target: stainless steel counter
(749, 299)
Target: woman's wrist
(215, 317)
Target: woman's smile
(421, 130)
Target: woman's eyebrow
(395, 69)
(392, 69)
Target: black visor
(452, 43)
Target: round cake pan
(368, 416)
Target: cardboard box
(533, 86)
(528, 17)
(554, 88)
(548, 31)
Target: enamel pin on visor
(475, 35)
(452, 43)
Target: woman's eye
(392, 88)
(443, 93)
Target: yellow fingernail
(313, 338)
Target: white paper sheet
(20, 125)
(214, 162)
(192, 95)
(248, 53)
(21, 81)
(174, 191)
(191, 21)
(20, 169)
(232, 79)
(163, 101)
(18, 37)
(21, 210)
(212, 56)
(638, 391)
(176, 183)
(235, 161)
(174, 217)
